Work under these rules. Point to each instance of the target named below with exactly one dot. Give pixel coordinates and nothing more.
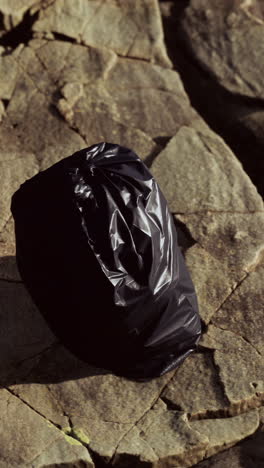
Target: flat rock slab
(226, 376)
(248, 453)
(39, 441)
(225, 37)
(13, 12)
(130, 29)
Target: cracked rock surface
(216, 47)
(91, 71)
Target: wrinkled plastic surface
(97, 250)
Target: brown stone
(173, 440)
(247, 454)
(195, 387)
(8, 72)
(235, 239)
(242, 314)
(126, 30)
(13, 11)
(213, 179)
(102, 405)
(225, 37)
(226, 432)
(37, 439)
(39, 128)
(213, 280)
(14, 172)
(241, 367)
(226, 459)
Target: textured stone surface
(231, 457)
(196, 389)
(163, 438)
(23, 331)
(208, 273)
(215, 45)
(34, 435)
(230, 233)
(221, 237)
(8, 73)
(72, 86)
(13, 11)
(243, 312)
(104, 406)
(130, 28)
(67, 451)
(167, 436)
(174, 441)
(247, 454)
(225, 37)
(217, 200)
(14, 171)
(231, 379)
(225, 433)
(241, 367)
(213, 179)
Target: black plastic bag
(97, 250)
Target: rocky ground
(182, 84)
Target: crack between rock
(240, 336)
(254, 265)
(138, 59)
(72, 125)
(148, 159)
(19, 138)
(187, 213)
(55, 82)
(81, 40)
(220, 382)
(11, 281)
(15, 82)
(62, 409)
(162, 90)
(65, 64)
(170, 405)
(6, 223)
(90, 20)
(229, 411)
(235, 409)
(44, 66)
(226, 299)
(70, 433)
(70, 430)
(23, 70)
(251, 16)
(43, 351)
(12, 392)
(230, 65)
(43, 451)
(74, 40)
(142, 416)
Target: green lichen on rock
(67, 430)
(80, 435)
(77, 434)
(72, 440)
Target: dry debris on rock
(95, 71)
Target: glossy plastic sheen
(97, 249)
